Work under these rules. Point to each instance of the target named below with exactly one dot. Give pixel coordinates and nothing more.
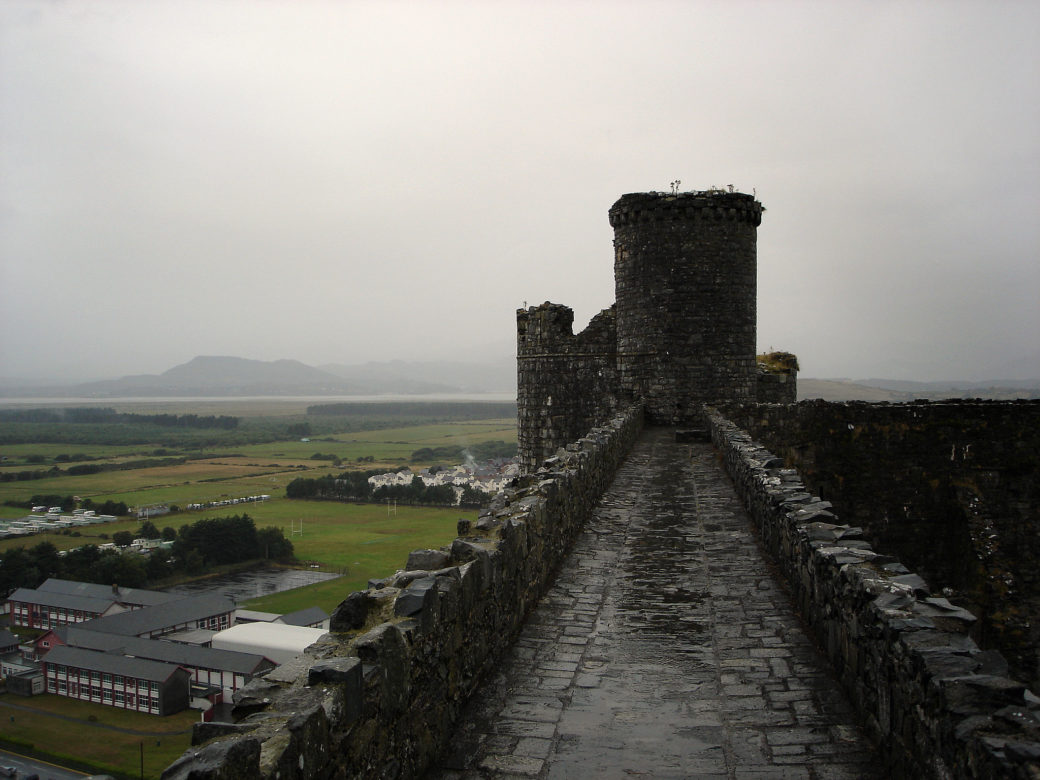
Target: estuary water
(244, 585)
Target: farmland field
(361, 541)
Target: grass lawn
(70, 729)
(362, 540)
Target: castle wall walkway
(664, 649)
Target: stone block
(227, 759)
(427, 559)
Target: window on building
(106, 678)
(107, 696)
(61, 686)
(119, 697)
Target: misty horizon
(343, 183)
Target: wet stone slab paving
(665, 649)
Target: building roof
(191, 636)
(140, 668)
(7, 639)
(271, 636)
(167, 652)
(136, 596)
(304, 617)
(66, 600)
(142, 621)
(255, 616)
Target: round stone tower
(685, 281)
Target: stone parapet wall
(937, 704)
(950, 487)
(378, 697)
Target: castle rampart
(681, 332)
(950, 487)
(936, 704)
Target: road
(46, 770)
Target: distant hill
(904, 390)
(233, 376)
(842, 390)
(496, 376)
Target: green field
(363, 541)
(85, 733)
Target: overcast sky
(336, 182)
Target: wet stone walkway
(665, 649)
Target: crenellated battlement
(540, 326)
(704, 205)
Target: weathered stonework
(681, 332)
(950, 487)
(936, 704)
(566, 383)
(685, 270)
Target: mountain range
(232, 376)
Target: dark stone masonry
(618, 602)
(935, 703)
(680, 334)
(664, 649)
(685, 269)
(949, 487)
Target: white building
(276, 641)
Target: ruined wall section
(777, 388)
(777, 378)
(685, 279)
(951, 487)
(937, 705)
(566, 383)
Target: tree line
(196, 547)
(70, 502)
(427, 411)
(95, 415)
(354, 486)
(80, 469)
